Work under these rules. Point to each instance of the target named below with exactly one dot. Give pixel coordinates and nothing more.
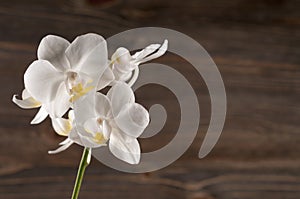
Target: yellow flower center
(78, 91)
(99, 138)
(78, 85)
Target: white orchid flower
(121, 122)
(116, 119)
(123, 64)
(64, 72)
(75, 133)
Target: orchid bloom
(63, 73)
(123, 64)
(116, 120)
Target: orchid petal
(83, 138)
(71, 115)
(52, 48)
(85, 78)
(67, 140)
(125, 148)
(106, 129)
(42, 81)
(61, 148)
(105, 79)
(123, 77)
(74, 136)
(121, 56)
(134, 76)
(61, 126)
(120, 94)
(26, 103)
(25, 94)
(122, 64)
(61, 104)
(88, 54)
(145, 52)
(92, 126)
(90, 142)
(40, 116)
(162, 50)
(84, 109)
(102, 105)
(133, 119)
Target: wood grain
(256, 45)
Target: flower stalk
(85, 161)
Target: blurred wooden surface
(256, 45)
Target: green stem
(85, 160)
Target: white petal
(84, 108)
(88, 54)
(85, 78)
(120, 94)
(61, 126)
(133, 119)
(71, 115)
(40, 116)
(122, 64)
(146, 51)
(125, 148)
(106, 129)
(102, 105)
(121, 60)
(121, 56)
(52, 48)
(134, 77)
(60, 105)
(162, 50)
(61, 148)
(25, 94)
(105, 79)
(67, 140)
(26, 103)
(83, 138)
(74, 136)
(91, 126)
(90, 143)
(123, 77)
(42, 81)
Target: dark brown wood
(256, 45)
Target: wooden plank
(256, 47)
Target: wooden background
(256, 45)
